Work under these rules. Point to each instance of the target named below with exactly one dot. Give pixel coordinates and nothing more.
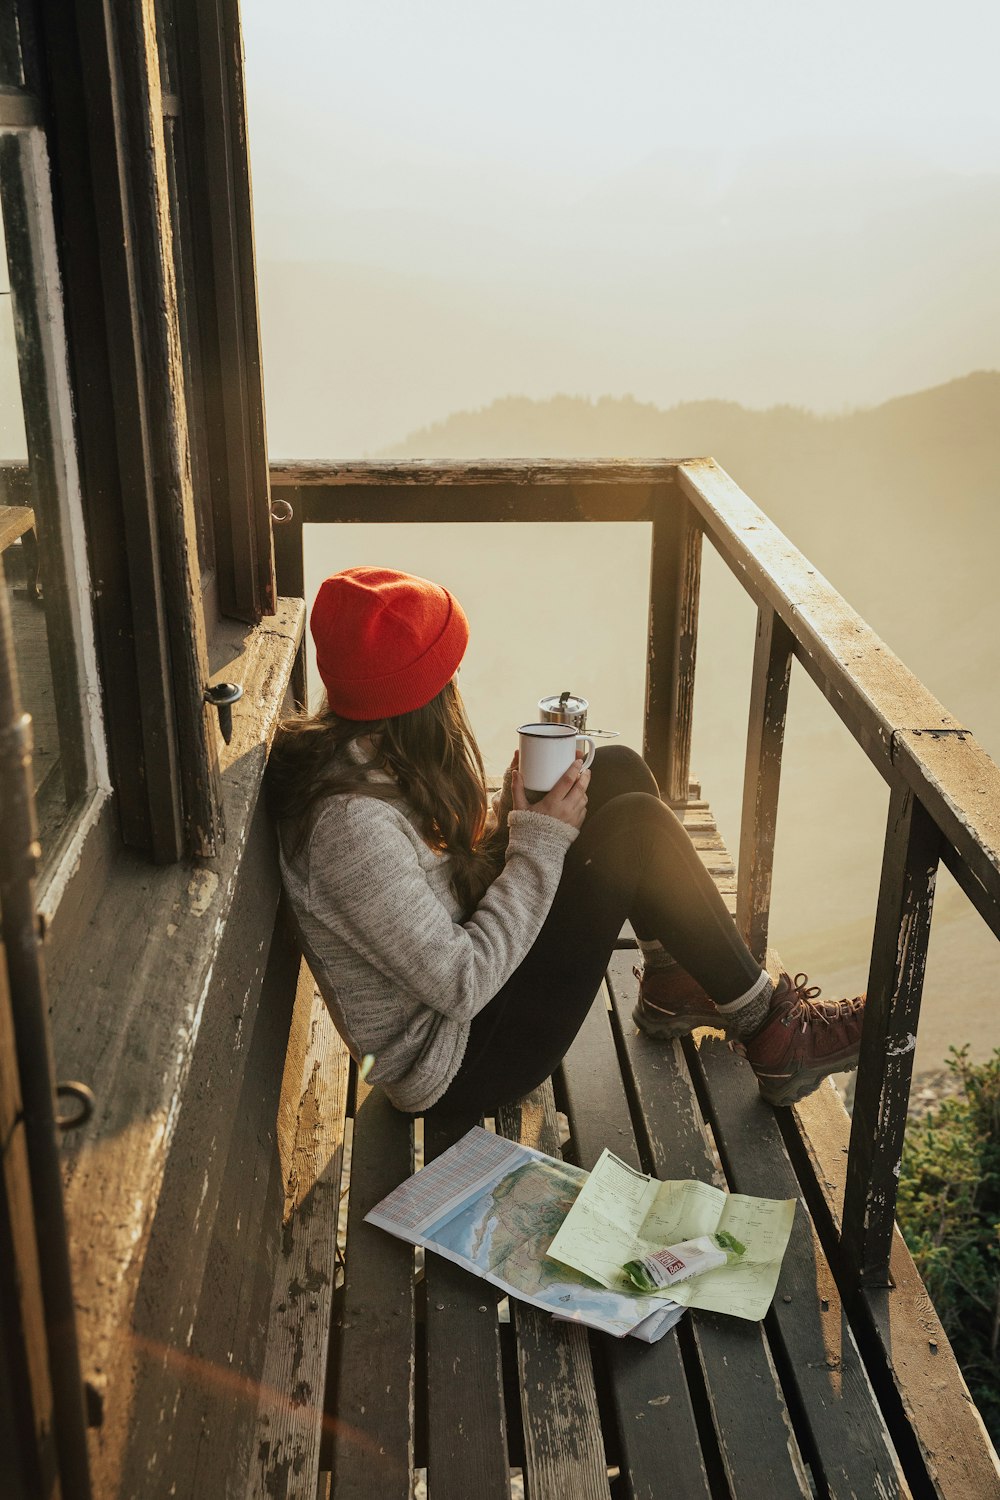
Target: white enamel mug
(547, 750)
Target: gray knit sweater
(402, 974)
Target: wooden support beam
(674, 587)
(289, 569)
(450, 499)
(772, 668)
(899, 958)
(289, 564)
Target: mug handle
(591, 752)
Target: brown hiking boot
(671, 1003)
(803, 1040)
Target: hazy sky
(769, 202)
(448, 109)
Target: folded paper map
(493, 1206)
(622, 1215)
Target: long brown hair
(431, 759)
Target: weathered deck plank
(286, 1449)
(753, 1428)
(807, 1320)
(649, 1388)
(373, 1428)
(466, 1417)
(564, 1447)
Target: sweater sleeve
(368, 888)
(503, 800)
(501, 807)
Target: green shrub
(949, 1211)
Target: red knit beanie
(386, 642)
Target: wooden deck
(431, 1387)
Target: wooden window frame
(209, 109)
(94, 71)
(47, 483)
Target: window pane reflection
(33, 503)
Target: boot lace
(805, 1005)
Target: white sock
(748, 1013)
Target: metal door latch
(222, 697)
(85, 1101)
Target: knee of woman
(625, 770)
(647, 814)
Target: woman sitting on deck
(462, 946)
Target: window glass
(43, 567)
(11, 48)
(13, 444)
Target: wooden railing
(944, 789)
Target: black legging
(633, 859)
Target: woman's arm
(368, 888)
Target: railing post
(674, 587)
(287, 508)
(899, 959)
(772, 667)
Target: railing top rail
(417, 471)
(897, 721)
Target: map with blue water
(494, 1207)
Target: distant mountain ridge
(898, 504)
(806, 273)
(965, 409)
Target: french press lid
(564, 708)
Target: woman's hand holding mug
(547, 750)
(567, 800)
